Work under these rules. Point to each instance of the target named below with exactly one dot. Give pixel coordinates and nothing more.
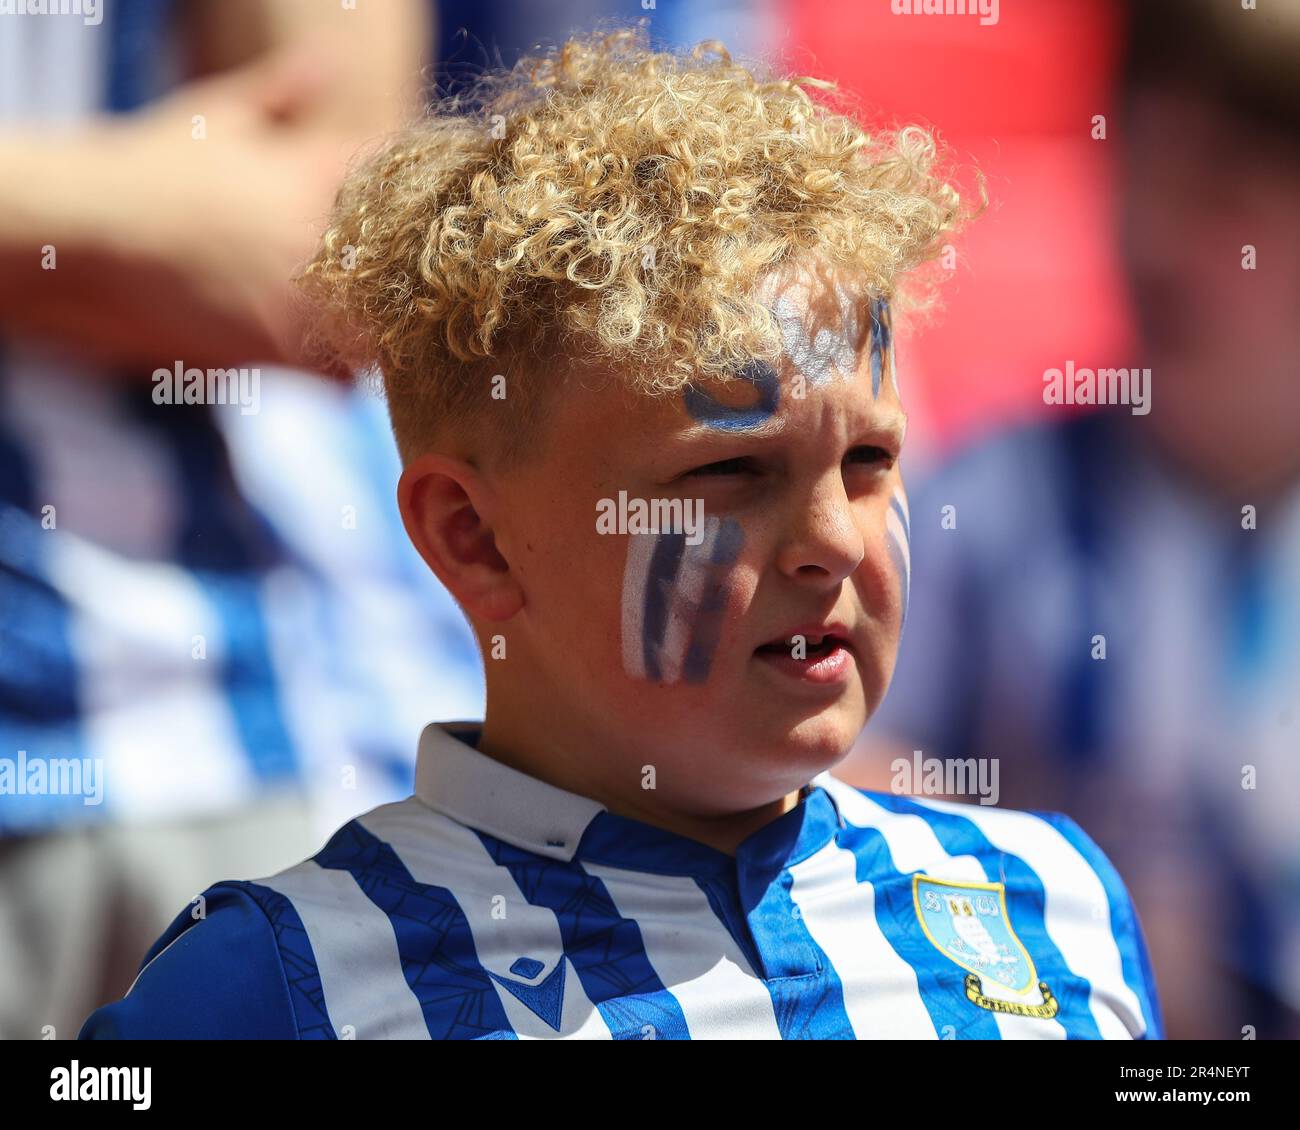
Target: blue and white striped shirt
(491, 905)
(1074, 531)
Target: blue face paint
(674, 601)
(712, 605)
(707, 409)
(674, 594)
(665, 562)
(830, 352)
(881, 344)
(898, 533)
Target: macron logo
(102, 1084)
(544, 1000)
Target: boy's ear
(446, 506)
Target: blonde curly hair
(604, 203)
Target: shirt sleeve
(1124, 924)
(218, 977)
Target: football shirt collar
(456, 779)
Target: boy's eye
(736, 466)
(870, 455)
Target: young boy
(633, 315)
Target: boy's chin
(815, 739)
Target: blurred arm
(375, 52)
(175, 239)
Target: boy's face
(681, 650)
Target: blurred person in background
(1173, 535)
(477, 33)
(204, 667)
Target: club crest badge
(968, 923)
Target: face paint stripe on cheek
(636, 574)
(724, 551)
(900, 551)
(664, 566)
(674, 601)
(687, 594)
(898, 503)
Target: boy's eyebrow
(891, 420)
(764, 429)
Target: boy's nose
(823, 543)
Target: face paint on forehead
(707, 409)
(898, 533)
(882, 345)
(832, 351)
(674, 601)
(819, 358)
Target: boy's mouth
(819, 645)
(816, 655)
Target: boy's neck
(558, 767)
